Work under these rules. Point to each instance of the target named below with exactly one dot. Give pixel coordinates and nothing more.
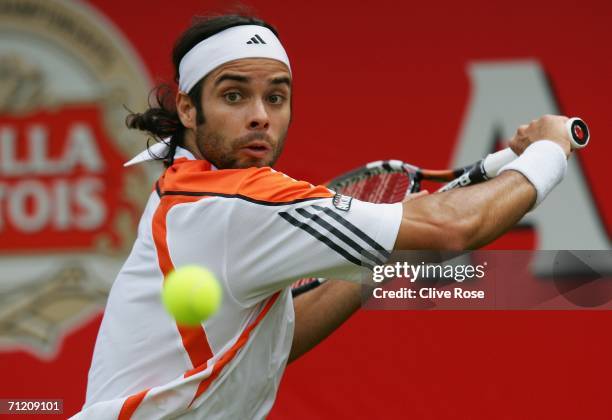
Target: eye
(233, 97)
(275, 99)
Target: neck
(189, 143)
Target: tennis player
(219, 204)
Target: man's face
(247, 108)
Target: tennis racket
(390, 181)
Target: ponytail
(160, 121)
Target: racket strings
(382, 188)
(379, 188)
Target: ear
(186, 110)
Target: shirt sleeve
(294, 233)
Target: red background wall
(363, 73)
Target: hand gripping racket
(488, 167)
(390, 181)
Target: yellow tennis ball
(191, 294)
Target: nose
(258, 118)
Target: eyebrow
(281, 80)
(244, 79)
(234, 77)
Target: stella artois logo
(68, 208)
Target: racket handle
(482, 170)
(488, 167)
(495, 161)
(578, 133)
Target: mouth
(257, 149)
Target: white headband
(244, 41)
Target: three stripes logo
(339, 234)
(256, 40)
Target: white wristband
(543, 163)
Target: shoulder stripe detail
(361, 234)
(238, 196)
(259, 184)
(340, 235)
(130, 405)
(318, 235)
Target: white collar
(159, 150)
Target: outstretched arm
(466, 218)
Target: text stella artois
(60, 178)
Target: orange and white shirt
(258, 230)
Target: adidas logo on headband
(256, 40)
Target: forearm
(320, 311)
(466, 218)
(496, 208)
